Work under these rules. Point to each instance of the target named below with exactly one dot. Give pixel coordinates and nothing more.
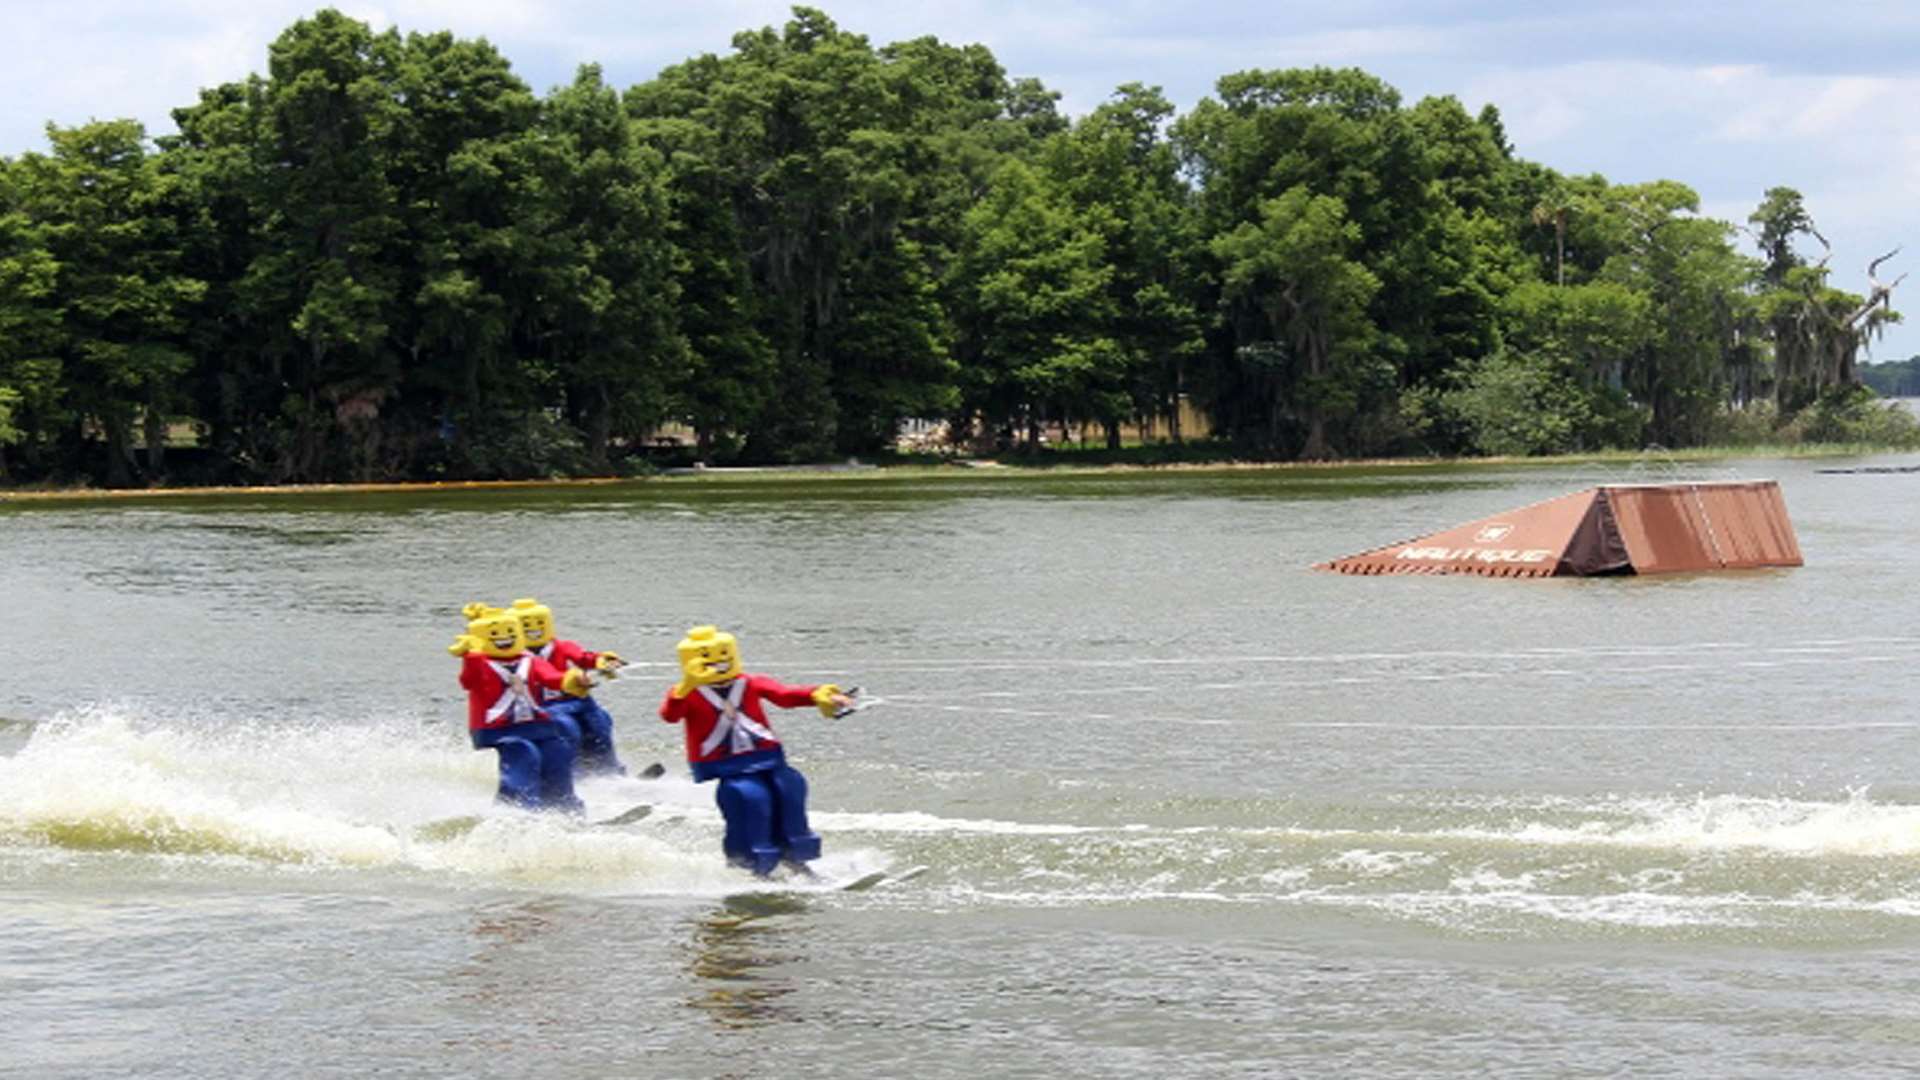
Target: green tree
(1698, 289)
(220, 159)
(1519, 404)
(1332, 134)
(608, 292)
(1121, 174)
(101, 203)
(1309, 350)
(325, 282)
(846, 171)
(457, 288)
(1038, 309)
(30, 390)
(1816, 331)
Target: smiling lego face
(536, 623)
(498, 633)
(708, 656)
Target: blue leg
(797, 842)
(596, 740)
(519, 772)
(746, 802)
(565, 717)
(556, 775)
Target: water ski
(628, 816)
(877, 877)
(446, 829)
(453, 828)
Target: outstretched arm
(826, 697)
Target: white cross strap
(732, 724)
(515, 701)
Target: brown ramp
(1617, 528)
(1528, 542)
(1680, 527)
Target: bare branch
(1875, 265)
(1815, 233)
(1881, 293)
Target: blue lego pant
(591, 730)
(536, 765)
(766, 814)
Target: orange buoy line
(302, 489)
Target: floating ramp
(1611, 529)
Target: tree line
(387, 257)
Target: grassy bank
(1048, 462)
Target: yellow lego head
(498, 632)
(536, 623)
(467, 642)
(708, 655)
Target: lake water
(1190, 808)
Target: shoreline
(947, 470)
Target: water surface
(1191, 808)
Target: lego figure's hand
(830, 700)
(463, 645)
(576, 682)
(609, 662)
(683, 688)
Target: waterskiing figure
(503, 683)
(577, 713)
(730, 740)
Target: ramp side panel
(1596, 546)
(1750, 523)
(1662, 532)
(1528, 542)
(1676, 528)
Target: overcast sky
(1729, 98)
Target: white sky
(1730, 98)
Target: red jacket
(490, 699)
(562, 655)
(750, 731)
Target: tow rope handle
(851, 707)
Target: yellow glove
(683, 688)
(608, 662)
(576, 683)
(463, 645)
(823, 696)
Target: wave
(373, 796)
(394, 796)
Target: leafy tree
(602, 279)
(1817, 331)
(326, 280)
(1895, 378)
(845, 171)
(30, 391)
(100, 202)
(219, 160)
(1518, 404)
(1121, 174)
(1038, 310)
(455, 269)
(1301, 135)
(1308, 350)
(1698, 288)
